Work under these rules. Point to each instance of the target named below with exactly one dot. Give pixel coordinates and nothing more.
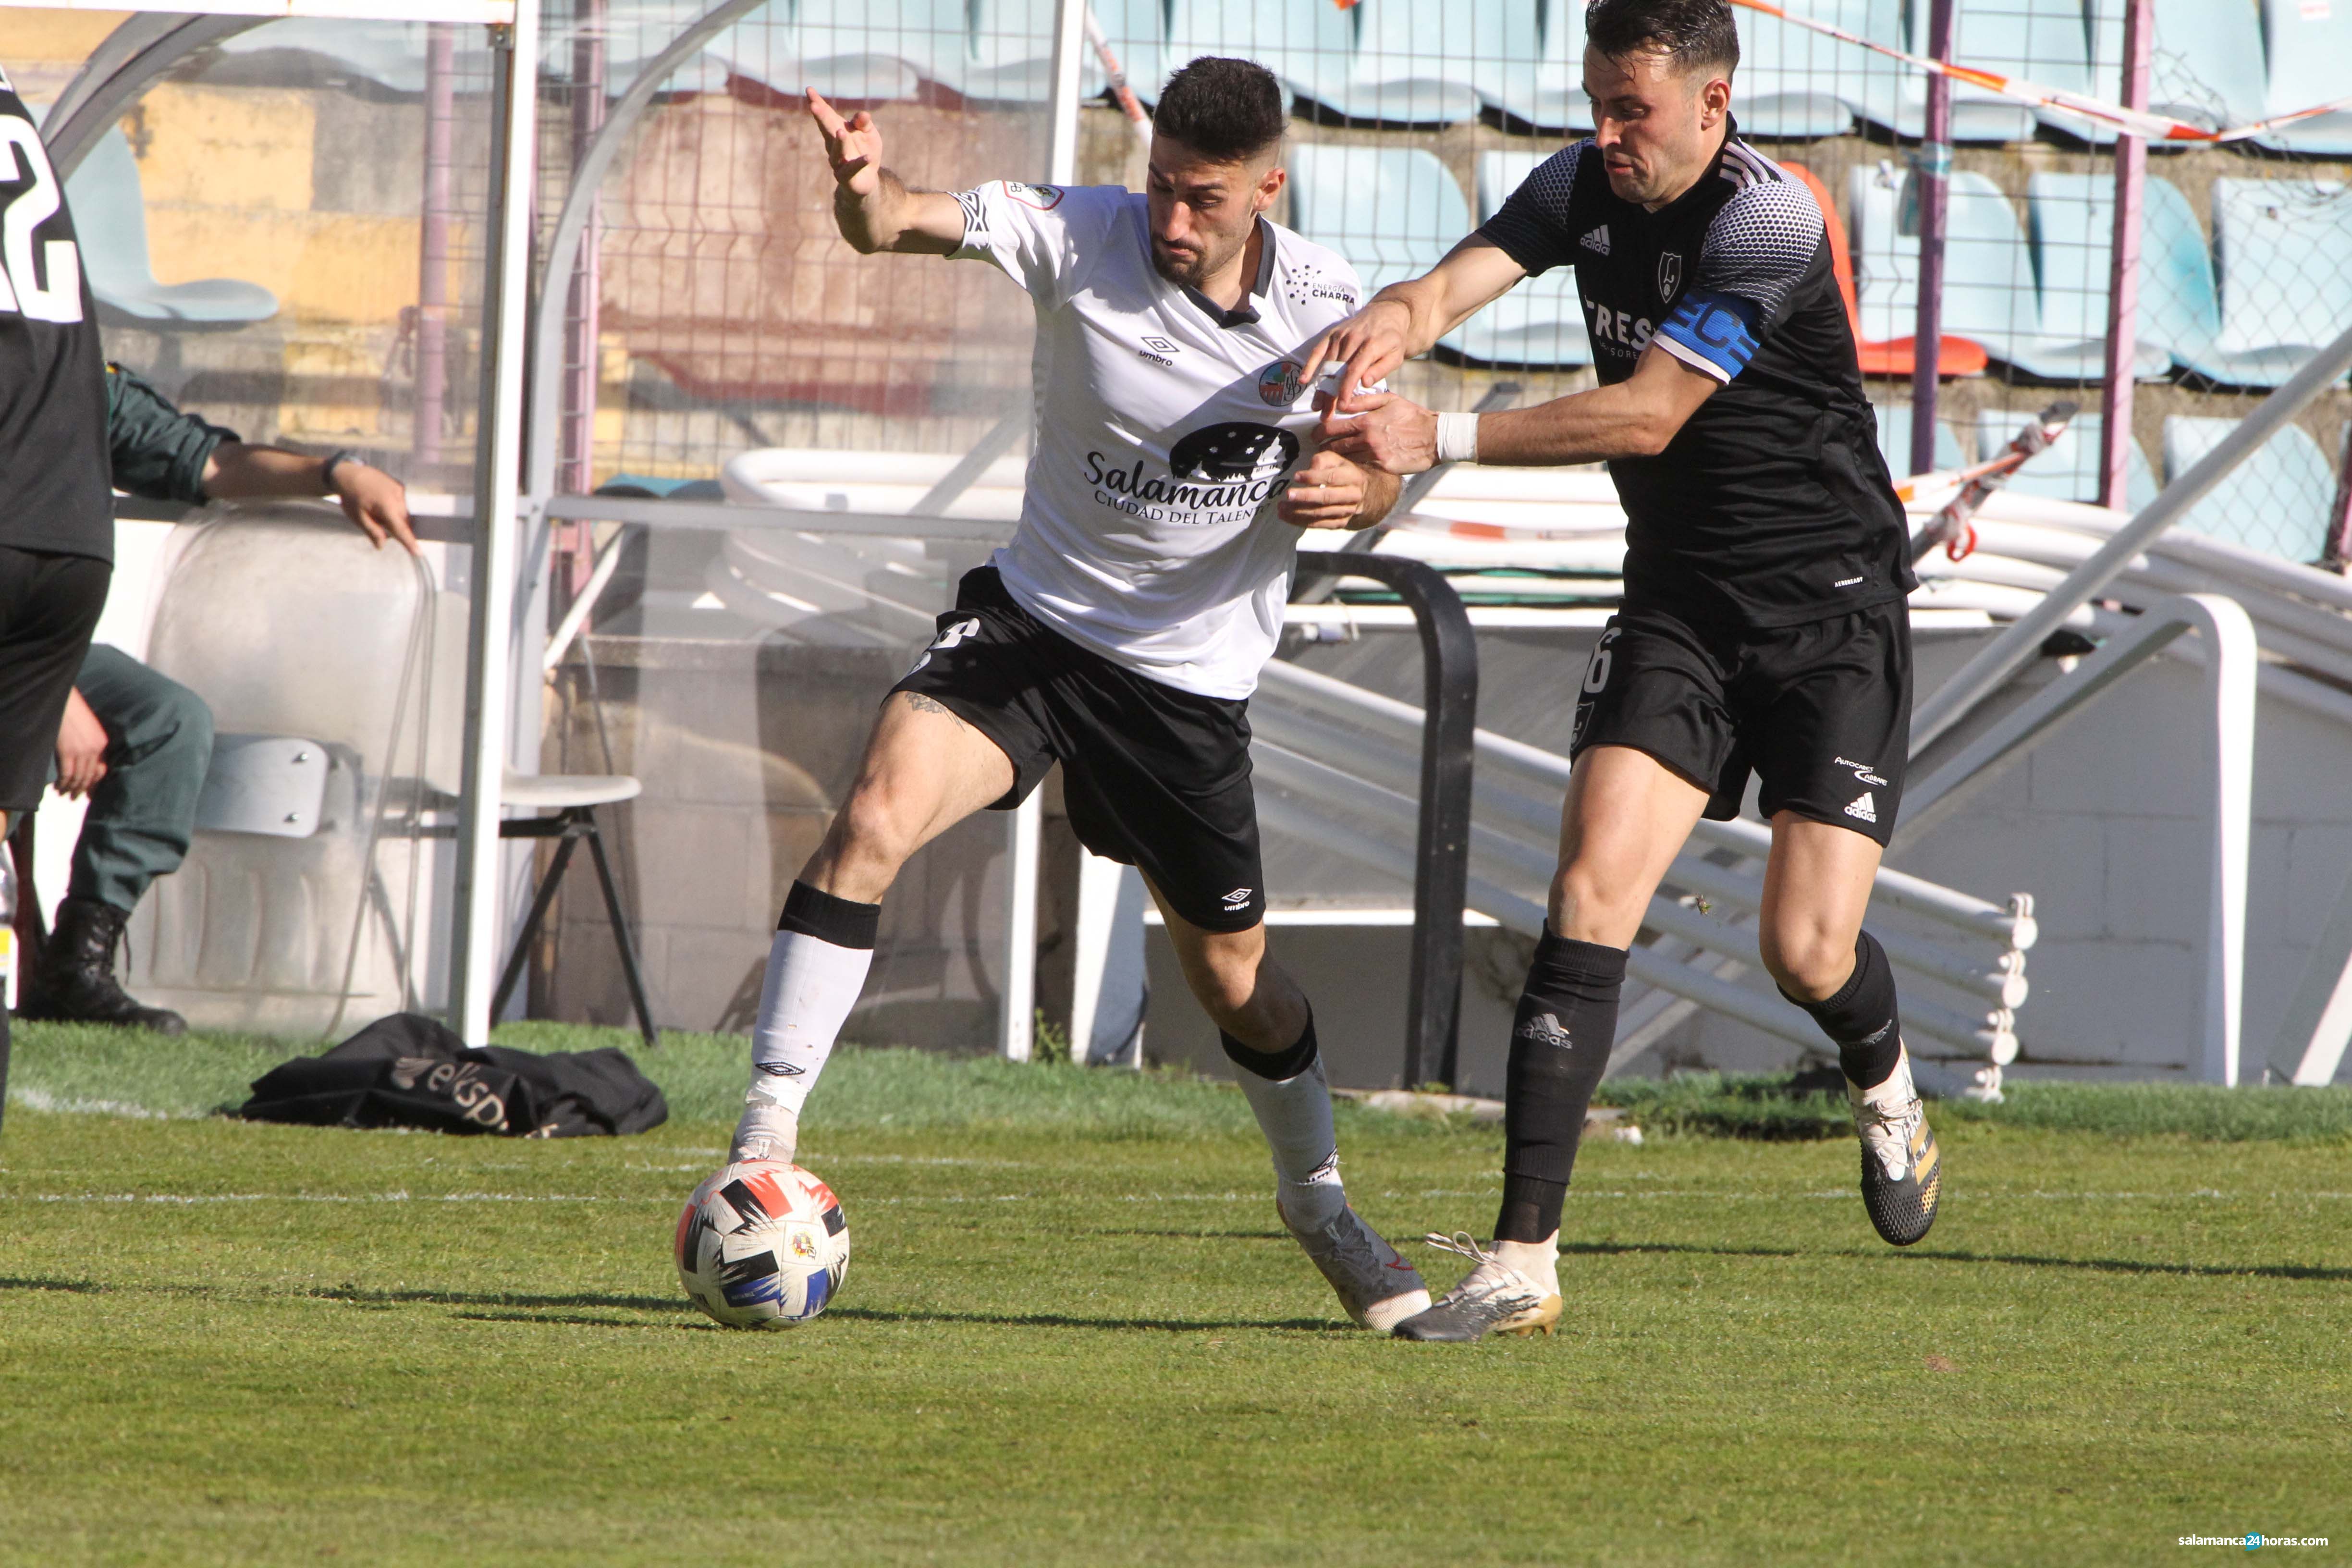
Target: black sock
(843, 923)
(1280, 1067)
(1861, 1020)
(1560, 1040)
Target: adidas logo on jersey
(1863, 809)
(1547, 1030)
(1597, 241)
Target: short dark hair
(1225, 109)
(1693, 34)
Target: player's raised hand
(854, 146)
(1381, 430)
(1370, 344)
(1328, 492)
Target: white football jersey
(1166, 430)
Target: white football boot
(1493, 1299)
(769, 1130)
(1376, 1286)
(1902, 1174)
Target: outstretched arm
(372, 499)
(874, 207)
(1407, 319)
(1634, 418)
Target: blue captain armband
(1715, 333)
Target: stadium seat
(1954, 356)
(861, 50)
(2042, 40)
(1894, 440)
(2276, 501)
(2311, 63)
(2069, 469)
(1989, 286)
(1418, 62)
(2283, 251)
(1392, 210)
(1013, 50)
(1309, 44)
(2206, 67)
(1792, 82)
(110, 211)
(1540, 88)
(1541, 322)
(2071, 218)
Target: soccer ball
(762, 1244)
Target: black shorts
(1821, 712)
(49, 603)
(1154, 777)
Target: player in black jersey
(57, 509)
(1763, 629)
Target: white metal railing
(1347, 749)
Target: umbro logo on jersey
(1238, 899)
(1158, 349)
(1547, 1030)
(1597, 241)
(1863, 809)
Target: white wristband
(1457, 437)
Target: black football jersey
(55, 492)
(1773, 505)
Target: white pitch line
(2204, 1195)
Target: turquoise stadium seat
(2206, 65)
(1990, 292)
(110, 213)
(2043, 40)
(2071, 223)
(1013, 50)
(1420, 62)
(1309, 44)
(1792, 82)
(1541, 322)
(868, 50)
(2311, 63)
(2282, 249)
(1894, 440)
(2276, 501)
(1392, 210)
(2069, 469)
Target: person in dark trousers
(56, 512)
(137, 743)
(1764, 627)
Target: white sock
(810, 988)
(1295, 1114)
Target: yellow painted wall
(228, 181)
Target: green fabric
(160, 744)
(159, 452)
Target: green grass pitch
(1073, 1332)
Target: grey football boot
(1493, 1299)
(1902, 1174)
(1376, 1286)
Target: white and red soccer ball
(762, 1244)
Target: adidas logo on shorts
(1597, 241)
(1863, 809)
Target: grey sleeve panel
(1760, 245)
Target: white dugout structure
(863, 535)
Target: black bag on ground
(411, 1071)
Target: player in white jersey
(1122, 630)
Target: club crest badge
(1280, 383)
(1670, 274)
